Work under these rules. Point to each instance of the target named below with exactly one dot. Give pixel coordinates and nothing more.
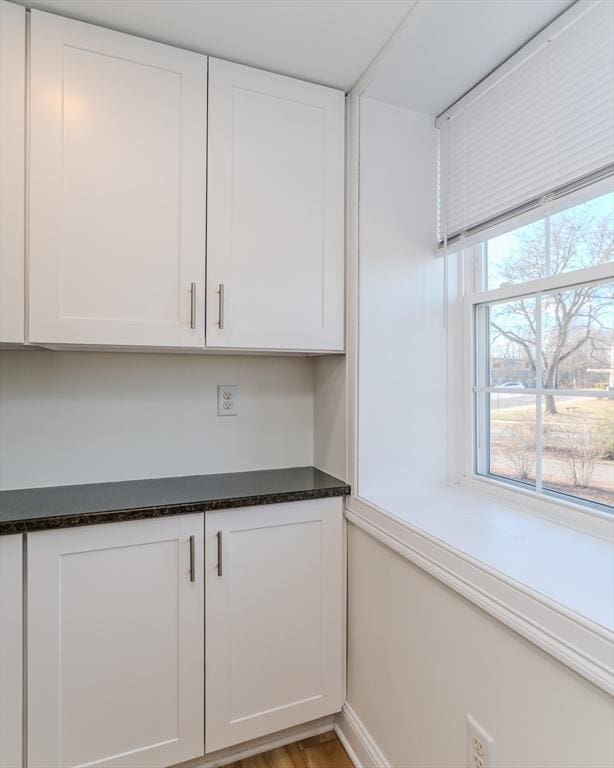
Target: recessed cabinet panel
(115, 644)
(117, 219)
(273, 618)
(298, 595)
(12, 171)
(275, 211)
(11, 655)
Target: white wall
(402, 387)
(421, 658)
(330, 415)
(78, 417)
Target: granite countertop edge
(41, 522)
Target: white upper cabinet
(117, 188)
(119, 195)
(12, 170)
(116, 644)
(275, 229)
(273, 618)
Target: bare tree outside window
(577, 324)
(554, 340)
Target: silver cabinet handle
(192, 305)
(192, 563)
(219, 553)
(220, 316)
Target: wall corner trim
(357, 742)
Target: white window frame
(560, 507)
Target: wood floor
(324, 751)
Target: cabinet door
(11, 638)
(275, 227)
(12, 170)
(115, 644)
(117, 198)
(273, 618)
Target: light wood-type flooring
(323, 751)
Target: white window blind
(539, 126)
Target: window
(526, 162)
(543, 362)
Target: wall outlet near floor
(480, 746)
(227, 400)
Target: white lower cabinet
(115, 644)
(273, 627)
(11, 638)
(120, 617)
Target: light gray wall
(402, 373)
(329, 414)
(421, 657)
(78, 417)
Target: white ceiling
(443, 49)
(326, 41)
(447, 46)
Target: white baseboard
(359, 745)
(263, 744)
(347, 746)
(356, 740)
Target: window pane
(512, 437)
(569, 335)
(578, 337)
(578, 448)
(516, 256)
(512, 343)
(582, 236)
(578, 237)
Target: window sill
(552, 584)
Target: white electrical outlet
(480, 746)
(227, 400)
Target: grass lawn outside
(577, 444)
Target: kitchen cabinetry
(115, 644)
(119, 193)
(275, 227)
(11, 639)
(12, 175)
(273, 618)
(117, 188)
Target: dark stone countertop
(39, 509)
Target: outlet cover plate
(480, 745)
(227, 400)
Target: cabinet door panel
(117, 188)
(116, 645)
(13, 174)
(273, 619)
(11, 639)
(275, 204)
